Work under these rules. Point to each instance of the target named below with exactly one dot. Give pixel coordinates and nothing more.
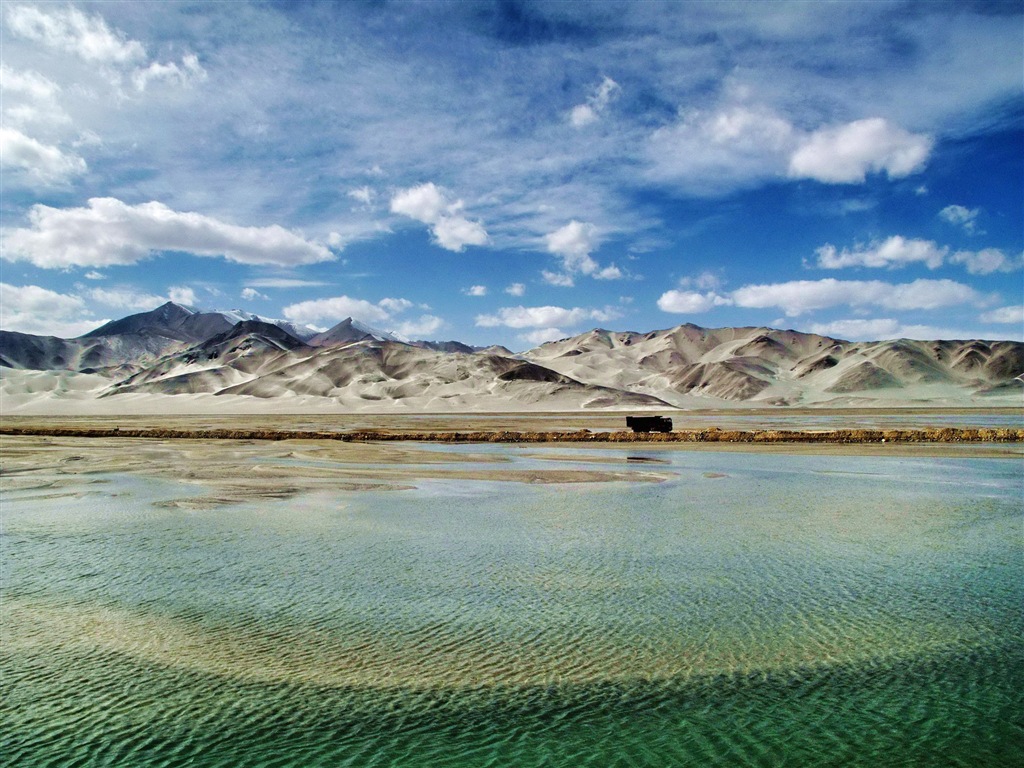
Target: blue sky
(512, 172)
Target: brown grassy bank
(710, 435)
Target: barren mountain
(176, 352)
(262, 361)
(776, 367)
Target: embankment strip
(712, 435)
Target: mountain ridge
(177, 350)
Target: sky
(515, 172)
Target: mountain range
(185, 360)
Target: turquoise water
(796, 610)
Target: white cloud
(573, 243)
(39, 164)
(425, 203)
(987, 261)
(363, 195)
(893, 252)
(958, 215)
(690, 301)
(800, 296)
(1005, 315)
(422, 328)
(454, 233)
(70, 30)
(125, 298)
(250, 294)
(542, 335)
(27, 82)
(874, 329)
(31, 309)
(335, 309)
(283, 282)
(541, 317)
(94, 275)
(845, 154)
(110, 232)
(476, 290)
(182, 294)
(557, 279)
(428, 204)
(705, 281)
(395, 306)
(597, 103)
(718, 151)
(611, 272)
(189, 72)
(515, 289)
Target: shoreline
(708, 435)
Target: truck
(649, 423)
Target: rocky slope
(176, 351)
(784, 367)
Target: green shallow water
(797, 611)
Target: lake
(753, 609)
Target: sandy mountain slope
(769, 366)
(254, 365)
(256, 360)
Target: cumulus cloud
(845, 154)
(421, 328)
(987, 261)
(542, 335)
(283, 282)
(428, 204)
(800, 296)
(966, 218)
(718, 151)
(894, 252)
(363, 195)
(329, 311)
(251, 294)
(740, 145)
(515, 289)
(28, 83)
(476, 290)
(573, 243)
(1005, 315)
(705, 281)
(189, 71)
(558, 279)
(873, 329)
(690, 301)
(70, 30)
(182, 294)
(544, 317)
(31, 309)
(125, 298)
(395, 306)
(109, 232)
(92, 40)
(611, 272)
(596, 104)
(454, 233)
(38, 164)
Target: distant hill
(176, 350)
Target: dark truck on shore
(649, 423)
